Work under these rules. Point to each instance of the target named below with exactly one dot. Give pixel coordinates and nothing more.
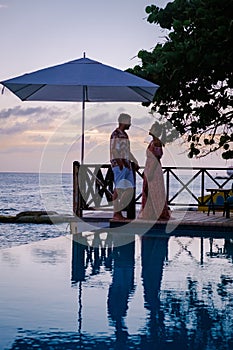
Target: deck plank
(179, 218)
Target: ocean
(30, 191)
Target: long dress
(154, 204)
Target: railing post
(75, 186)
(168, 184)
(202, 186)
(201, 250)
(77, 198)
(131, 208)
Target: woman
(154, 204)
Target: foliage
(194, 70)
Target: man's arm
(134, 160)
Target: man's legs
(116, 205)
(123, 192)
(121, 199)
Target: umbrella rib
(36, 90)
(142, 93)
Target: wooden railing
(185, 187)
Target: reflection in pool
(92, 292)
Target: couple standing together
(154, 205)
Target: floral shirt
(119, 147)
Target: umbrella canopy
(82, 80)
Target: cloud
(17, 119)
(21, 149)
(144, 120)
(36, 112)
(38, 138)
(2, 6)
(7, 113)
(101, 119)
(14, 129)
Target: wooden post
(131, 208)
(77, 198)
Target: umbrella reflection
(79, 247)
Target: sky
(39, 136)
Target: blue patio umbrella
(82, 80)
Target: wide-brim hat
(156, 129)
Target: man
(121, 158)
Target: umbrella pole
(83, 126)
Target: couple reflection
(121, 259)
(122, 287)
(153, 254)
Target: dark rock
(35, 213)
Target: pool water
(92, 292)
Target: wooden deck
(202, 219)
(191, 217)
(195, 221)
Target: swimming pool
(92, 292)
